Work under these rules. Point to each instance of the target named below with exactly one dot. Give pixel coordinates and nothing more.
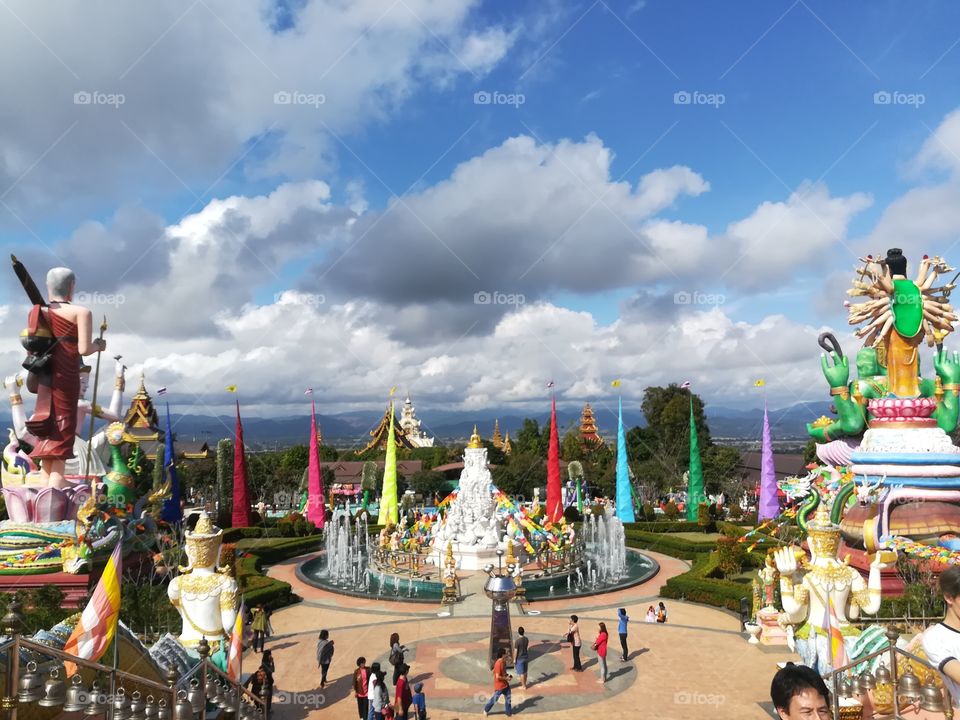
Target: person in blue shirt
(420, 701)
(622, 631)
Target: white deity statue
(111, 413)
(204, 594)
(825, 587)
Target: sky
(467, 199)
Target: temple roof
(141, 420)
(588, 428)
(378, 436)
(497, 440)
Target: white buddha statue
(204, 594)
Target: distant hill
(352, 428)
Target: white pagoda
(411, 426)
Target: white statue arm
(228, 606)
(795, 598)
(868, 598)
(14, 383)
(113, 411)
(173, 592)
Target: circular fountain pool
(637, 569)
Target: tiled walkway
(698, 665)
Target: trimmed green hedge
(232, 535)
(274, 550)
(699, 585)
(257, 588)
(664, 543)
(664, 526)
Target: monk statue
(204, 594)
(99, 457)
(826, 587)
(54, 420)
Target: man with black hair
(798, 692)
(941, 642)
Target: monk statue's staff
(93, 408)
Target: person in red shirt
(501, 684)
(361, 681)
(403, 698)
(600, 645)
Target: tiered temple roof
(589, 437)
(497, 440)
(378, 436)
(141, 421)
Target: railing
(208, 684)
(837, 676)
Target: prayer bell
(97, 704)
(930, 697)
(883, 675)
(77, 697)
(121, 706)
(844, 687)
(182, 710)
(31, 685)
(867, 681)
(54, 690)
(163, 712)
(196, 696)
(136, 706)
(228, 701)
(150, 708)
(909, 684)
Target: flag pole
(93, 410)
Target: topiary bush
(730, 555)
(671, 510)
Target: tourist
(396, 657)
(941, 642)
(600, 645)
(324, 655)
(501, 685)
(798, 691)
(662, 613)
(573, 637)
(403, 697)
(651, 615)
(377, 693)
(420, 701)
(258, 685)
(266, 662)
(259, 627)
(361, 682)
(623, 619)
(521, 659)
(268, 668)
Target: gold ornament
(475, 441)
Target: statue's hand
(879, 563)
(786, 560)
(947, 366)
(120, 368)
(837, 374)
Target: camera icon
(682, 298)
(82, 98)
(882, 97)
(482, 98)
(482, 298)
(282, 98)
(682, 97)
(682, 698)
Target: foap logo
(300, 699)
(496, 297)
(95, 97)
(294, 297)
(99, 298)
(684, 297)
(696, 97)
(896, 97)
(485, 97)
(295, 97)
(686, 697)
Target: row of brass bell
(908, 687)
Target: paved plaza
(698, 665)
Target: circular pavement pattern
(463, 682)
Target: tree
(667, 411)
(530, 440)
(571, 448)
(721, 469)
(428, 483)
(810, 451)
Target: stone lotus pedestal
(771, 633)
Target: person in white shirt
(941, 642)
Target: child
(651, 614)
(420, 701)
(662, 613)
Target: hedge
(698, 585)
(675, 547)
(274, 550)
(664, 526)
(257, 588)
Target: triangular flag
(316, 507)
(231, 388)
(389, 512)
(760, 383)
(695, 476)
(241, 496)
(615, 383)
(624, 496)
(554, 488)
(235, 653)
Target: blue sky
(780, 94)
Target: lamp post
(501, 589)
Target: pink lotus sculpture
(914, 410)
(41, 504)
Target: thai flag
(685, 385)
(308, 391)
(550, 384)
(161, 391)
